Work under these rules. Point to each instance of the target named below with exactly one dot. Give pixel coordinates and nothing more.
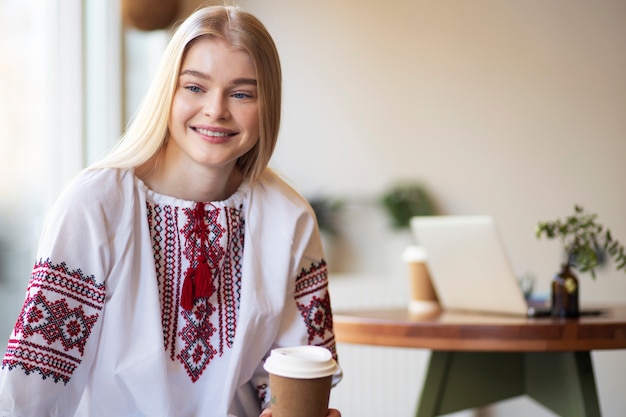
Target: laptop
(469, 266)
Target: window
(60, 108)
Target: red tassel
(187, 296)
(199, 214)
(203, 279)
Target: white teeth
(212, 133)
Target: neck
(192, 183)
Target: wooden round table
(479, 359)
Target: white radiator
(378, 381)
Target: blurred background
(508, 108)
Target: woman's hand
(331, 413)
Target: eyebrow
(236, 81)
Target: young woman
(168, 271)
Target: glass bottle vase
(565, 293)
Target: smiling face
(214, 117)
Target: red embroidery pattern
(229, 285)
(313, 302)
(262, 394)
(57, 318)
(196, 336)
(163, 221)
(197, 349)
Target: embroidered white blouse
(105, 329)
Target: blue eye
(241, 95)
(194, 88)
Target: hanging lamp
(150, 14)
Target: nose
(216, 105)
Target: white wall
(510, 108)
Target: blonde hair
(148, 130)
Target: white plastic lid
(414, 253)
(306, 362)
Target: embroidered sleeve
(313, 301)
(49, 352)
(307, 316)
(56, 320)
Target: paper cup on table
(423, 296)
(300, 380)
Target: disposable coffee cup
(300, 380)
(423, 297)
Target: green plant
(405, 200)
(585, 241)
(326, 211)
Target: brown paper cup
(297, 397)
(423, 297)
(300, 381)
(419, 282)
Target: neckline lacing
(198, 281)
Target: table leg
(561, 381)
(460, 380)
